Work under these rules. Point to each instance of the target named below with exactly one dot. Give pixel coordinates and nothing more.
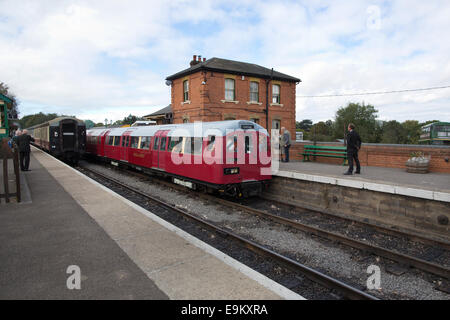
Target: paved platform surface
(430, 181)
(430, 186)
(123, 251)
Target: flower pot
(418, 165)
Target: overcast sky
(107, 59)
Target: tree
(89, 124)
(394, 132)
(130, 119)
(38, 118)
(304, 124)
(412, 131)
(14, 112)
(362, 116)
(322, 131)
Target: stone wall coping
(361, 184)
(309, 142)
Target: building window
(185, 90)
(276, 93)
(185, 120)
(254, 91)
(229, 89)
(276, 124)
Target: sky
(100, 59)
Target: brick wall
(385, 155)
(206, 100)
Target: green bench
(324, 151)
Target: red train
(231, 157)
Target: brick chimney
(194, 60)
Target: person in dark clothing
(353, 146)
(285, 143)
(23, 142)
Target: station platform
(122, 250)
(393, 198)
(431, 186)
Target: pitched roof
(164, 110)
(234, 67)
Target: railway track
(404, 259)
(321, 278)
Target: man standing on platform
(285, 143)
(23, 142)
(353, 146)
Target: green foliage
(362, 116)
(304, 124)
(412, 130)
(130, 119)
(89, 124)
(322, 131)
(394, 132)
(38, 118)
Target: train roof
(218, 128)
(56, 121)
(440, 123)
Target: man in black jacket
(353, 145)
(23, 142)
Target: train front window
(248, 145)
(196, 145)
(211, 142)
(232, 143)
(187, 145)
(176, 144)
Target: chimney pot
(195, 57)
(204, 59)
(200, 58)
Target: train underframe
(237, 190)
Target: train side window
(116, 141)
(123, 141)
(155, 144)
(211, 142)
(111, 140)
(163, 144)
(134, 142)
(145, 143)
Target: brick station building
(218, 89)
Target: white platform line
(379, 187)
(275, 287)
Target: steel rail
(405, 259)
(312, 274)
(409, 235)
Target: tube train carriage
(63, 137)
(231, 157)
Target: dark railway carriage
(232, 157)
(63, 137)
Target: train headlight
(231, 171)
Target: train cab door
(159, 149)
(124, 146)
